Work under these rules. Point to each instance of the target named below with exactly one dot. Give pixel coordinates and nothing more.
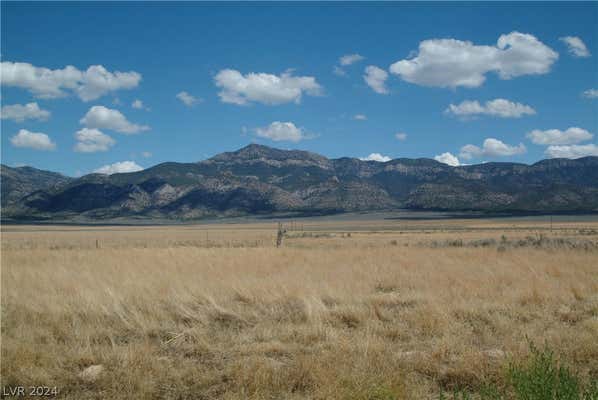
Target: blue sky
(514, 73)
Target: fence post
(279, 235)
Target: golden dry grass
(172, 314)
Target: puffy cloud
(564, 144)
(376, 79)
(470, 151)
(376, 157)
(146, 154)
(187, 99)
(498, 108)
(92, 140)
(496, 148)
(138, 104)
(576, 46)
(100, 117)
(20, 113)
(590, 93)
(98, 81)
(360, 117)
(42, 82)
(47, 83)
(339, 71)
(346, 60)
(119, 167)
(572, 135)
(282, 131)
(33, 140)
(572, 151)
(466, 108)
(349, 59)
(448, 158)
(491, 148)
(264, 88)
(453, 63)
(401, 136)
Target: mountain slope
(18, 182)
(262, 180)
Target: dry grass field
(343, 310)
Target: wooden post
(279, 235)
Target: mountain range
(260, 180)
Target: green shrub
(543, 378)
(540, 377)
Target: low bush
(539, 377)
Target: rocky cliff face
(262, 180)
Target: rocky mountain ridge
(263, 180)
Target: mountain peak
(255, 151)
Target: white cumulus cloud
(349, 59)
(452, 63)
(100, 117)
(20, 112)
(572, 151)
(119, 167)
(376, 157)
(138, 104)
(501, 108)
(576, 46)
(33, 140)
(47, 83)
(572, 135)
(590, 93)
(264, 88)
(401, 136)
(448, 158)
(360, 117)
(345, 61)
(339, 71)
(187, 99)
(282, 131)
(491, 148)
(376, 79)
(92, 141)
